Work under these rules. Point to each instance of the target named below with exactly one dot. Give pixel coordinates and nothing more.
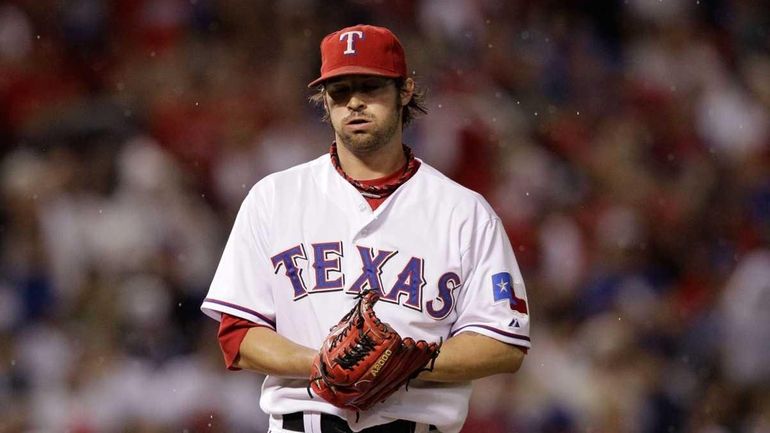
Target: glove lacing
(351, 358)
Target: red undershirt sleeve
(232, 330)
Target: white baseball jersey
(305, 242)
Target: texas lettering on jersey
(329, 276)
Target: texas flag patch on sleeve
(502, 290)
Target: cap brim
(353, 70)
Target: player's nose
(356, 103)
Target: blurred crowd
(625, 145)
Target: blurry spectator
(744, 304)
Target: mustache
(357, 116)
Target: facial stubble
(369, 142)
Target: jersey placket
(358, 212)
(369, 216)
(364, 218)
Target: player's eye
(339, 92)
(372, 85)
(343, 91)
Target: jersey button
(362, 207)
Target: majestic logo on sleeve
(502, 290)
(327, 268)
(350, 37)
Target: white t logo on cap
(350, 39)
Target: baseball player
(368, 216)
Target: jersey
(305, 242)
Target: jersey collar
(383, 187)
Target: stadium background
(624, 144)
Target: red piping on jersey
(244, 309)
(497, 331)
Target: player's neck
(381, 163)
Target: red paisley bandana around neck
(378, 191)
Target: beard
(377, 137)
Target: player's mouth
(358, 122)
(359, 125)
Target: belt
(333, 424)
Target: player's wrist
(266, 352)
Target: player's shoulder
(453, 194)
(289, 178)
(297, 172)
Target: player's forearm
(469, 356)
(265, 351)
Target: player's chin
(361, 142)
(359, 137)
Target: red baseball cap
(361, 49)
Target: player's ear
(406, 92)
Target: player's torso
(327, 245)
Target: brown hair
(415, 107)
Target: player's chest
(409, 257)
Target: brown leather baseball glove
(363, 360)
